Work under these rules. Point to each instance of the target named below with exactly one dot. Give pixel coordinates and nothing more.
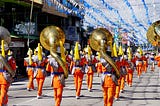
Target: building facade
(26, 19)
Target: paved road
(144, 92)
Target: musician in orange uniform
(11, 60)
(40, 73)
(130, 69)
(108, 83)
(77, 70)
(57, 80)
(90, 67)
(117, 92)
(123, 71)
(28, 62)
(98, 64)
(145, 63)
(138, 62)
(7, 72)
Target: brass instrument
(5, 35)
(50, 38)
(153, 33)
(99, 40)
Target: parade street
(144, 92)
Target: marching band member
(57, 81)
(145, 62)
(117, 91)
(139, 62)
(118, 64)
(28, 62)
(98, 64)
(77, 70)
(11, 60)
(130, 69)
(40, 73)
(6, 73)
(70, 59)
(108, 83)
(90, 68)
(123, 71)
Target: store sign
(16, 44)
(37, 1)
(72, 33)
(25, 28)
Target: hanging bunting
(65, 9)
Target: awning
(34, 37)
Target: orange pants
(78, 78)
(139, 69)
(4, 85)
(30, 82)
(40, 82)
(89, 80)
(117, 89)
(58, 89)
(122, 83)
(58, 95)
(108, 91)
(108, 95)
(144, 67)
(129, 77)
(3, 94)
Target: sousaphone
(99, 40)
(153, 33)
(50, 38)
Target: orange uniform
(157, 58)
(117, 92)
(123, 73)
(145, 63)
(108, 85)
(139, 64)
(78, 73)
(30, 73)
(5, 80)
(89, 70)
(98, 68)
(57, 80)
(39, 74)
(130, 69)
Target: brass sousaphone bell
(5, 35)
(50, 38)
(153, 33)
(100, 39)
